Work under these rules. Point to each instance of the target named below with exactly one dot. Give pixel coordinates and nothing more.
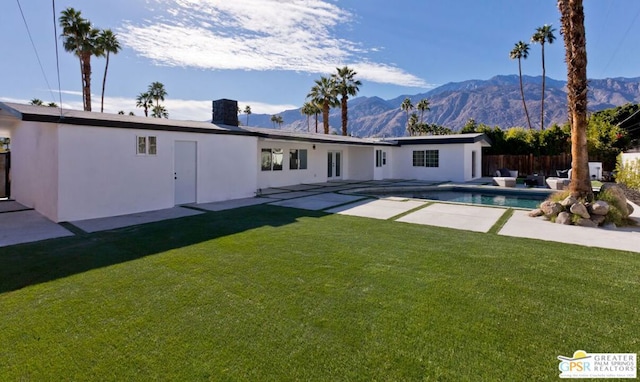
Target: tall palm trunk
(325, 116)
(344, 115)
(576, 57)
(86, 83)
(544, 77)
(526, 112)
(104, 82)
(316, 123)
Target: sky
(267, 53)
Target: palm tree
(422, 106)
(36, 102)
(247, 111)
(106, 44)
(324, 93)
(159, 111)
(157, 92)
(543, 34)
(80, 38)
(572, 20)
(52, 104)
(407, 106)
(279, 120)
(414, 125)
(520, 51)
(309, 109)
(144, 101)
(346, 85)
(274, 119)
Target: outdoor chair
(505, 178)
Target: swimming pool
(528, 199)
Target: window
(418, 159)
(297, 159)
(432, 158)
(378, 158)
(266, 160)
(146, 145)
(271, 159)
(384, 158)
(426, 158)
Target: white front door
(334, 165)
(185, 172)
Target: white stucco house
(73, 165)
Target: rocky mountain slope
(495, 102)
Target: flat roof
(87, 118)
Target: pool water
(511, 199)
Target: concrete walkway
(20, 225)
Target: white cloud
(295, 35)
(193, 110)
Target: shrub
(628, 173)
(615, 214)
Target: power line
(615, 52)
(35, 50)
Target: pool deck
(22, 225)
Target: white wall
(451, 163)
(356, 163)
(361, 161)
(34, 166)
(102, 175)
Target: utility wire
(55, 38)
(615, 52)
(34, 49)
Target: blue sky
(266, 53)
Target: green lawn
(268, 293)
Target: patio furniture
(505, 178)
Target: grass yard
(272, 294)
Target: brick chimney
(225, 112)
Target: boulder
(564, 218)
(598, 219)
(550, 208)
(600, 207)
(586, 223)
(581, 210)
(535, 213)
(619, 198)
(568, 202)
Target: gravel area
(633, 195)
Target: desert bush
(628, 173)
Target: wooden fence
(546, 165)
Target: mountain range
(494, 102)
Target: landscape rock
(568, 201)
(586, 223)
(630, 208)
(619, 198)
(535, 213)
(600, 207)
(610, 226)
(598, 219)
(581, 210)
(550, 208)
(564, 218)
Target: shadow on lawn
(29, 264)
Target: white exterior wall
(468, 149)
(34, 167)
(102, 175)
(386, 170)
(361, 163)
(356, 163)
(630, 157)
(451, 163)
